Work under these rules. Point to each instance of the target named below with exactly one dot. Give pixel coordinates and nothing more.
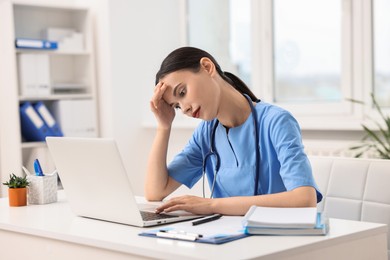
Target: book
(321, 228)
(35, 44)
(273, 217)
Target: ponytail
(238, 84)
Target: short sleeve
(295, 168)
(187, 166)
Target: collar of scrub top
(213, 151)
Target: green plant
(16, 182)
(377, 141)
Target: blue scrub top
(284, 165)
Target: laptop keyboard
(154, 216)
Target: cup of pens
(43, 187)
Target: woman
(250, 151)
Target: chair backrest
(355, 189)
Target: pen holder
(42, 189)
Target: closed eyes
(182, 92)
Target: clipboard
(223, 230)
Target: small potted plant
(17, 190)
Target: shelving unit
(72, 74)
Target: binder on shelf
(77, 118)
(32, 126)
(35, 44)
(67, 38)
(34, 74)
(48, 119)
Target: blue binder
(47, 117)
(35, 44)
(32, 126)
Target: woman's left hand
(193, 204)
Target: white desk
(52, 231)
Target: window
(308, 56)
(222, 28)
(307, 51)
(304, 61)
(381, 44)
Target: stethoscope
(213, 152)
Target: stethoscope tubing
(213, 151)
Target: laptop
(97, 185)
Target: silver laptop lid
(96, 183)
(94, 179)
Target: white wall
(142, 33)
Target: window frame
(369, 66)
(334, 115)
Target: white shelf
(56, 97)
(72, 71)
(53, 52)
(29, 145)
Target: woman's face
(196, 94)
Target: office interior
(335, 50)
(321, 60)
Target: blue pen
(37, 168)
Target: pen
(163, 233)
(182, 232)
(37, 168)
(206, 219)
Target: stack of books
(285, 221)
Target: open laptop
(97, 185)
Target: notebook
(97, 185)
(274, 217)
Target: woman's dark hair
(188, 58)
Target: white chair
(355, 189)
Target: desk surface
(57, 222)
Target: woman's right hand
(163, 112)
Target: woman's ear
(207, 65)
